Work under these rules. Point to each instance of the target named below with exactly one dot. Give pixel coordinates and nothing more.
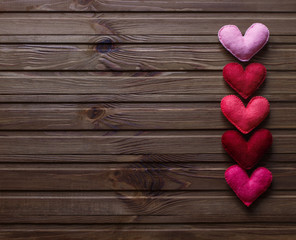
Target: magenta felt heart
(248, 189)
(244, 47)
(244, 118)
(247, 154)
(247, 81)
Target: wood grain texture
(122, 57)
(140, 23)
(137, 219)
(120, 38)
(128, 116)
(137, 158)
(127, 142)
(142, 176)
(202, 86)
(150, 231)
(137, 207)
(110, 126)
(155, 5)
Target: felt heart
(247, 81)
(244, 118)
(247, 154)
(244, 47)
(248, 189)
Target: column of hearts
(245, 119)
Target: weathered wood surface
(120, 38)
(152, 5)
(139, 158)
(110, 125)
(189, 86)
(140, 207)
(150, 231)
(142, 176)
(127, 142)
(131, 116)
(140, 23)
(136, 57)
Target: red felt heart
(247, 81)
(245, 118)
(247, 154)
(248, 189)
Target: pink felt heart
(244, 118)
(244, 47)
(248, 189)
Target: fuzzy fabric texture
(244, 118)
(247, 81)
(248, 189)
(244, 47)
(247, 154)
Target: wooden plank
(137, 158)
(140, 23)
(150, 231)
(119, 38)
(139, 207)
(153, 176)
(138, 98)
(155, 5)
(133, 86)
(131, 116)
(136, 57)
(126, 142)
(160, 219)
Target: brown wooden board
(127, 142)
(140, 23)
(149, 231)
(141, 176)
(145, 207)
(121, 38)
(147, 6)
(110, 124)
(135, 57)
(156, 86)
(134, 116)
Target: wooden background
(110, 120)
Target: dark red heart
(247, 81)
(247, 154)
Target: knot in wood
(105, 46)
(95, 113)
(84, 2)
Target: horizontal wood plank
(128, 116)
(119, 38)
(126, 142)
(284, 231)
(138, 158)
(133, 86)
(140, 23)
(140, 207)
(155, 5)
(136, 57)
(153, 176)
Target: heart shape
(248, 189)
(244, 47)
(247, 81)
(244, 118)
(247, 154)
